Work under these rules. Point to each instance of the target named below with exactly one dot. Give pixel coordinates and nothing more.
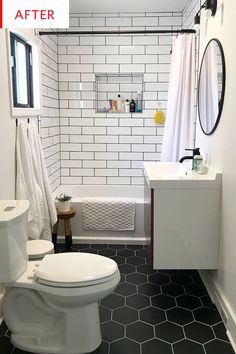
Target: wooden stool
(67, 227)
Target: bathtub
(83, 191)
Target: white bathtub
(80, 236)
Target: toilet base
(48, 329)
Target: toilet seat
(37, 249)
(75, 270)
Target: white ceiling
(109, 6)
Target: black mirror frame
(221, 102)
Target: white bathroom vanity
(182, 216)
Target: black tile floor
(150, 312)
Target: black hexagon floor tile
(136, 278)
(206, 301)
(146, 269)
(125, 253)
(124, 345)
(220, 331)
(196, 289)
(139, 331)
(179, 316)
(181, 279)
(112, 331)
(126, 269)
(138, 301)
(135, 260)
(168, 271)
(113, 301)
(143, 253)
(163, 302)
(169, 332)
(125, 315)
(126, 289)
(155, 346)
(89, 250)
(105, 314)
(152, 315)
(149, 289)
(116, 247)
(118, 259)
(134, 247)
(158, 279)
(199, 332)
(207, 315)
(188, 302)
(107, 252)
(102, 349)
(129, 310)
(99, 246)
(186, 347)
(173, 290)
(218, 346)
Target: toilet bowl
(51, 305)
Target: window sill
(21, 112)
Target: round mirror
(211, 86)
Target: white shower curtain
(179, 127)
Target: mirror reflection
(211, 86)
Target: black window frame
(28, 51)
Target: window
(22, 78)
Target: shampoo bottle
(127, 108)
(132, 106)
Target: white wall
(7, 128)
(50, 130)
(221, 148)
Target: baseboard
(227, 314)
(107, 239)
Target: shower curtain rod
(65, 33)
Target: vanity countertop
(176, 175)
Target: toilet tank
(13, 239)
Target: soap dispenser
(197, 162)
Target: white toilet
(51, 305)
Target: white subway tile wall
(109, 148)
(50, 121)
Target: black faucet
(195, 151)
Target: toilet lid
(39, 248)
(70, 268)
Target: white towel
(108, 214)
(26, 185)
(48, 207)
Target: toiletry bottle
(118, 103)
(114, 105)
(132, 106)
(127, 108)
(139, 102)
(122, 106)
(197, 161)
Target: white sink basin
(176, 175)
